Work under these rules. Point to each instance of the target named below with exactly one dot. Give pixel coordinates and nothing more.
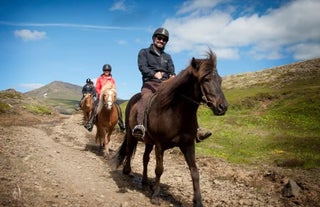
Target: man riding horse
(156, 66)
(87, 88)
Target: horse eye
(205, 79)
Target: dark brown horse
(107, 116)
(87, 105)
(171, 120)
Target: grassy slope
(273, 118)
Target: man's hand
(158, 75)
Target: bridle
(203, 97)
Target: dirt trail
(58, 164)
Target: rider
(155, 66)
(103, 79)
(87, 88)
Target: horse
(87, 105)
(107, 116)
(171, 120)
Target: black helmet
(106, 67)
(161, 31)
(88, 80)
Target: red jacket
(101, 81)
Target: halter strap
(204, 97)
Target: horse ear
(195, 63)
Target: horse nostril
(222, 107)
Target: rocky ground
(52, 160)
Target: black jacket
(150, 62)
(89, 89)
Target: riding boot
(78, 106)
(120, 122)
(89, 125)
(202, 134)
(139, 130)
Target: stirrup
(139, 131)
(89, 126)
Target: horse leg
(159, 170)
(189, 155)
(100, 136)
(106, 144)
(146, 158)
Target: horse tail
(129, 144)
(120, 154)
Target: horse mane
(197, 67)
(108, 86)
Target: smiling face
(160, 41)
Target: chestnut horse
(87, 105)
(171, 120)
(107, 116)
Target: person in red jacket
(103, 79)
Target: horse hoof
(126, 171)
(197, 204)
(156, 201)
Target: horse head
(110, 98)
(210, 83)
(87, 100)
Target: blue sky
(69, 40)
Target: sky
(42, 41)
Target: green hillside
(273, 118)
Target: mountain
(57, 90)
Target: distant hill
(61, 95)
(277, 77)
(57, 90)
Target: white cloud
(305, 51)
(194, 5)
(118, 5)
(28, 35)
(265, 35)
(122, 42)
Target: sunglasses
(164, 39)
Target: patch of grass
(39, 109)
(64, 106)
(279, 127)
(4, 107)
(10, 95)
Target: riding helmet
(106, 67)
(161, 31)
(88, 80)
